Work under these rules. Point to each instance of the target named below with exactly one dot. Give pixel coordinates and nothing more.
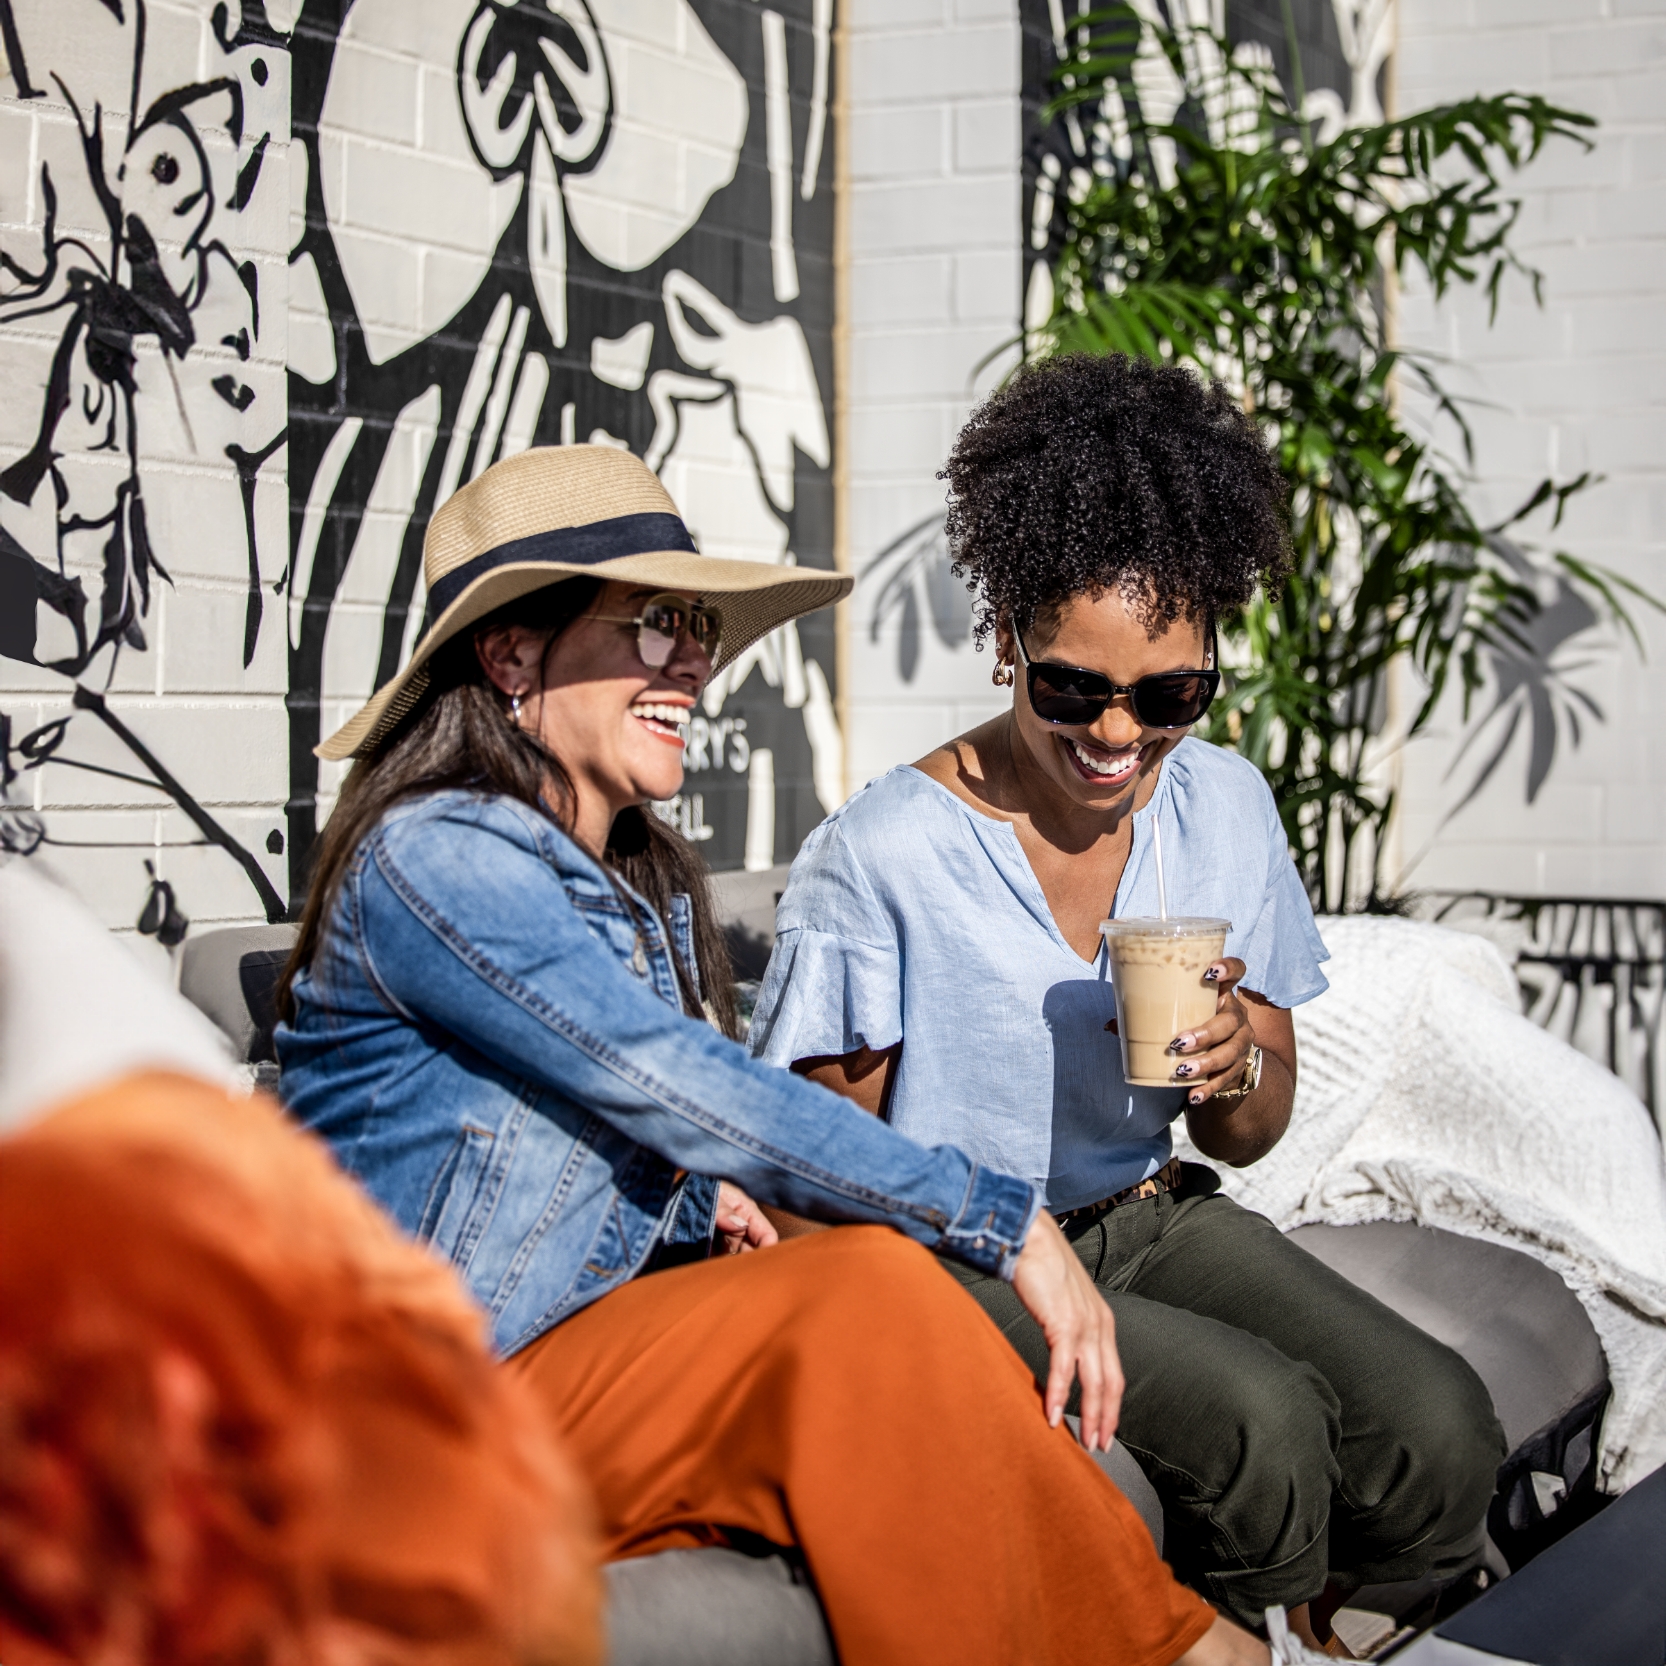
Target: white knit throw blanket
(1425, 1095)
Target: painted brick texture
(932, 137)
(1579, 384)
(209, 710)
(934, 149)
(378, 268)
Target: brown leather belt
(1166, 1179)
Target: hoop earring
(1004, 676)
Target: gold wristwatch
(1247, 1083)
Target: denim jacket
(491, 1040)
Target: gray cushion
(1510, 1316)
(1131, 1479)
(232, 976)
(713, 1608)
(691, 1607)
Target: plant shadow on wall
(1201, 216)
(129, 281)
(918, 566)
(612, 225)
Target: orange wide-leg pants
(840, 1393)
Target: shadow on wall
(912, 580)
(1529, 680)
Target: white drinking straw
(1157, 849)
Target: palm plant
(1237, 237)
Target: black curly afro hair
(1085, 474)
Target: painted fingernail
(1197, 1099)
(1213, 974)
(1180, 1043)
(1184, 1069)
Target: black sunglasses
(1069, 694)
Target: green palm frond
(1265, 263)
(1144, 320)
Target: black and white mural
(1343, 46)
(598, 220)
(465, 227)
(144, 425)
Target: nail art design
(1184, 1069)
(1197, 1099)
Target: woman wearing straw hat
(939, 959)
(494, 1015)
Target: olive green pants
(1292, 1425)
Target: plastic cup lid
(1151, 926)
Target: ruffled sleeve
(825, 995)
(834, 981)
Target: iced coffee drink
(1157, 968)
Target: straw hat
(573, 511)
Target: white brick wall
(212, 721)
(1580, 384)
(407, 243)
(933, 137)
(933, 284)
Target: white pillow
(77, 1008)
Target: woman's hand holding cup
(1212, 1055)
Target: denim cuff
(993, 1222)
(693, 1214)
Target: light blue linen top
(911, 916)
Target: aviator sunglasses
(1068, 694)
(661, 623)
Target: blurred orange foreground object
(242, 1419)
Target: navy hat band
(572, 546)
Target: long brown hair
(459, 736)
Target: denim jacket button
(639, 960)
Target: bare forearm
(1243, 1131)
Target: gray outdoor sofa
(1509, 1316)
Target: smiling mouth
(1103, 769)
(664, 722)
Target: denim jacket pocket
(612, 924)
(456, 1188)
(636, 937)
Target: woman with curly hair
(938, 959)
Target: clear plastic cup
(1157, 969)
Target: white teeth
(1104, 766)
(677, 716)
